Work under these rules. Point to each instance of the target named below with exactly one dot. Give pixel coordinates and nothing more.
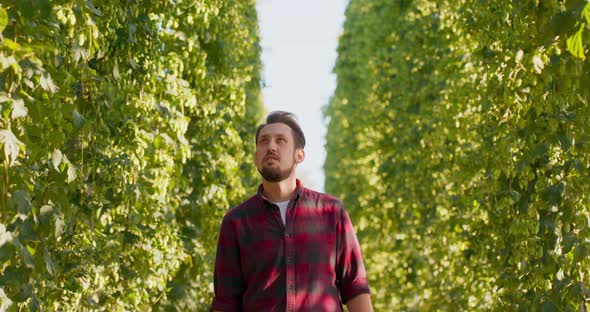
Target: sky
(299, 41)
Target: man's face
(276, 155)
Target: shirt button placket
(290, 268)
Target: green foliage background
(459, 141)
(123, 132)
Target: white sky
(299, 40)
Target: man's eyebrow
(263, 137)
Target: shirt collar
(298, 191)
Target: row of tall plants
(459, 140)
(124, 126)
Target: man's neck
(279, 191)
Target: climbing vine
(458, 140)
(123, 123)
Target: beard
(275, 174)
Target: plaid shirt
(312, 264)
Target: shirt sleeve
(228, 281)
(350, 270)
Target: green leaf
(7, 252)
(581, 251)
(552, 194)
(47, 83)
(59, 225)
(27, 257)
(132, 28)
(78, 119)
(22, 201)
(515, 195)
(538, 64)
(34, 305)
(578, 166)
(575, 44)
(548, 306)
(18, 109)
(9, 61)
(92, 8)
(586, 13)
(11, 145)
(7, 248)
(56, 159)
(81, 53)
(26, 230)
(5, 302)
(49, 264)
(11, 45)
(116, 73)
(5, 236)
(45, 213)
(14, 281)
(569, 240)
(71, 173)
(3, 19)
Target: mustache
(271, 155)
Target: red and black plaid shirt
(312, 264)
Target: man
(287, 248)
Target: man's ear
(299, 155)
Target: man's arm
(350, 271)
(228, 282)
(360, 303)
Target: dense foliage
(124, 125)
(459, 140)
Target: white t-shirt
(283, 208)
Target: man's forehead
(275, 129)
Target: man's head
(279, 146)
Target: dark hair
(288, 119)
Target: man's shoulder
(315, 198)
(243, 209)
